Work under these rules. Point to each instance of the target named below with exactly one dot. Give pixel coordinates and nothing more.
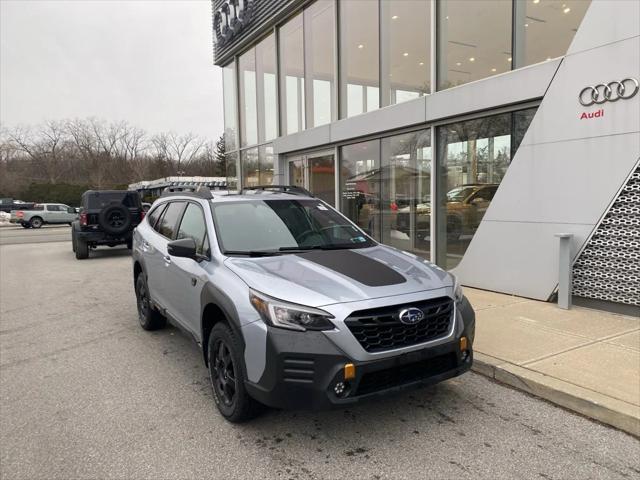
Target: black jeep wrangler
(107, 217)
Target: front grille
(381, 329)
(405, 374)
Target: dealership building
(469, 132)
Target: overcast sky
(148, 62)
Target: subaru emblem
(411, 316)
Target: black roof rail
(292, 189)
(200, 192)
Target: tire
(149, 317)
(115, 219)
(82, 249)
(226, 372)
(130, 244)
(25, 225)
(35, 222)
(73, 238)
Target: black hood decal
(363, 269)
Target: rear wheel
(73, 239)
(82, 249)
(226, 372)
(36, 222)
(149, 317)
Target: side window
(52, 208)
(193, 226)
(154, 214)
(167, 224)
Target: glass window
(248, 100)
(319, 46)
(359, 56)
(167, 224)
(230, 122)
(406, 187)
(473, 157)
(193, 226)
(265, 154)
(544, 29)
(283, 224)
(267, 105)
(406, 27)
(474, 40)
(154, 214)
(250, 167)
(360, 185)
(232, 170)
(292, 75)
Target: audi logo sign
(230, 18)
(608, 92)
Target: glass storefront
(319, 30)
(292, 76)
(250, 167)
(406, 191)
(232, 165)
(474, 40)
(406, 53)
(248, 99)
(265, 162)
(359, 45)
(473, 157)
(230, 106)
(267, 107)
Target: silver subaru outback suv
(293, 305)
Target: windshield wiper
(253, 253)
(337, 246)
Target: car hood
(325, 277)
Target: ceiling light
(421, 63)
(567, 10)
(395, 17)
(509, 59)
(458, 63)
(472, 59)
(405, 54)
(526, 24)
(536, 1)
(361, 46)
(493, 69)
(447, 17)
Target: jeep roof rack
(200, 192)
(292, 189)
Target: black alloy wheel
(223, 373)
(149, 317)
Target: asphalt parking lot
(86, 393)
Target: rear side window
(54, 208)
(193, 226)
(167, 224)
(154, 214)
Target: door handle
(167, 260)
(145, 245)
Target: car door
(53, 214)
(67, 216)
(157, 259)
(186, 277)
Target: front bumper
(302, 370)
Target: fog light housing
(463, 344)
(341, 389)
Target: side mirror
(185, 247)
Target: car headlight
(281, 314)
(458, 294)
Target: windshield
(253, 227)
(459, 194)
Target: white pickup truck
(44, 213)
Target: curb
(608, 410)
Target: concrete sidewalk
(582, 359)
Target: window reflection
(250, 167)
(248, 99)
(474, 40)
(292, 75)
(408, 23)
(406, 186)
(266, 68)
(232, 170)
(473, 157)
(360, 185)
(230, 116)
(359, 54)
(265, 175)
(319, 54)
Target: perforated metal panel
(609, 266)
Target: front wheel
(149, 317)
(227, 378)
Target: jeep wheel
(82, 249)
(227, 377)
(115, 219)
(149, 317)
(35, 222)
(130, 244)
(73, 239)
